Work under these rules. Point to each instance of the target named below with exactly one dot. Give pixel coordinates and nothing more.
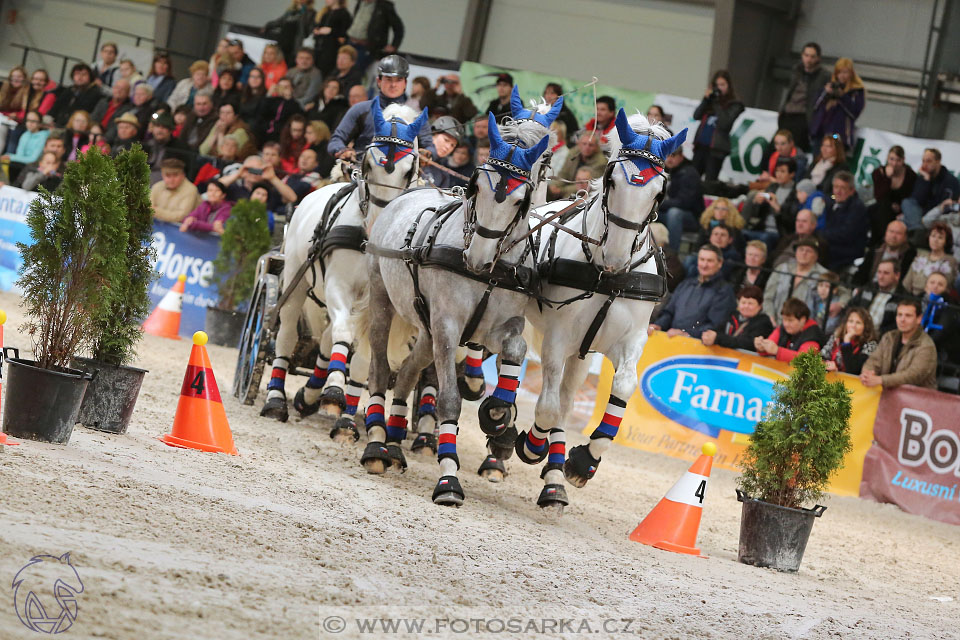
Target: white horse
(325, 237)
(459, 270)
(625, 277)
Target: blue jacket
(347, 130)
(30, 146)
(930, 193)
(696, 307)
(845, 228)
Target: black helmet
(448, 125)
(393, 66)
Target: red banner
(915, 458)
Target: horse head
(500, 192)
(634, 184)
(391, 162)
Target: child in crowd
(819, 301)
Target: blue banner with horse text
(191, 254)
(14, 204)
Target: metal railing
(100, 29)
(63, 67)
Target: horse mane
(401, 111)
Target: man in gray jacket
(805, 84)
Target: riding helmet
(393, 66)
(448, 125)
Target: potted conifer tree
(76, 255)
(110, 398)
(246, 237)
(798, 445)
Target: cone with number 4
(674, 523)
(201, 422)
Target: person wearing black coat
(82, 96)
(329, 33)
(745, 324)
(684, 201)
(374, 41)
(290, 29)
(717, 112)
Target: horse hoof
(448, 492)
(425, 444)
(521, 449)
(275, 408)
(492, 475)
(580, 466)
(553, 498)
(495, 415)
(376, 458)
(333, 402)
(471, 388)
(501, 446)
(397, 461)
(492, 469)
(301, 405)
(344, 431)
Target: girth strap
(477, 315)
(594, 327)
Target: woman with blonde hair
(273, 65)
(14, 92)
(721, 210)
(317, 135)
(187, 88)
(839, 104)
(78, 128)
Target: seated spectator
(783, 147)
(935, 190)
(559, 151)
(905, 355)
(128, 71)
(211, 214)
(220, 61)
(356, 94)
(605, 119)
(173, 197)
(839, 104)
(794, 278)
(655, 114)
(275, 110)
(180, 116)
(854, 340)
(261, 193)
(453, 100)
(772, 213)
(271, 157)
(29, 146)
(317, 136)
(937, 260)
(894, 246)
(809, 197)
(805, 226)
(227, 89)
(684, 196)
(892, 183)
(482, 153)
(820, 302)
(128, 133)
(304, 179)
(721, 236)
(144, 106)
(880, 298)
(78, 133)
(717, 112)
(186, 90)
(252, 95)
(846, 223)
(162, 145)
(240, 184)
(422, 96)
(96, 139)
(201, 121)
(14, 93)
(46, 173)
(702, 302)
(500, 106)
(831, 160)
(745, 325)
(460, 162)
(583, 178)
(83, 95)
(112, 108)
(587, 155)
(228, 125)
(939, 321)
(348, 73)
(752, 273)
(292, 142)
(330, 106)
(242, 63)
(480, 132)
(566, 117)
(42, 96)
(161, 78)
(798, 332)
(105, 69)
(57, 147)
(306, 79)
(675, 271)
(329, 31)
(721, 210)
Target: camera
(256, 172)
(715, 94)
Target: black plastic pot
(224, 328)
(42, 404)
(774, 536)
(111, 396)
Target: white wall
(57, 25)
(645, 45)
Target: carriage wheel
(253, 352)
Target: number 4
(197, 386)
(701, 490)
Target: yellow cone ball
(200, 339)
(709, 449)
(3, 317)
(182, 277)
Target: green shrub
(246, 237)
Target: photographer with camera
(717, 112)
(839, 104)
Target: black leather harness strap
(594, 327)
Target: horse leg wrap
(495, 426)
(425, 440)
(375, 415)
(532, 447)
(319, 376)
(397, 422)
(492, 463)
(580, 466)
(447, 443)
(353, 391)
(612, 417)
(276, 404)
(472, 386)
(553, 494)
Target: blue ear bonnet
(394, 130)
(512, 161)
(646, 152)
(521, 113)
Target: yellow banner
(690, 394)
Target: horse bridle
(392, 141)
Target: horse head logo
(45, 594)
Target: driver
(357, 124)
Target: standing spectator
(684, 196)
(550, 94)
(290, 29)
(500, 106)
(273, 65)
(46, 174)
(41, 97)
(305, 77)
(798, 332)
(162, 146)
(839, 104)
(199, 123)
(82, 96)
(106, 67)
(369, 32)
(161, 77)
(14, 94)
(805, 226)
(793, 279)
(112, 108)
(292, 142)
(807, 80)
(895, 247)
(717, 112)
(752, 274)
(227, 89)
(587, 155)
(274, 111)
(702, 302)
(880, 299)
(892, 183)
(228, 125)
(935, 188)
(831, 160)
(605, 120)
(78, 130)
(173, 197)
(848, 347)
(937, 260)
(330, 105)
(329, 32)
(745, 325)
(186, 89)
(846, 223)
(29, 146)
(905, 355)
(242, 63)
(252, 96)
(128, 133)
(211, 214)
(453, 100)
(349, 73)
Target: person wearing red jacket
(797, 333)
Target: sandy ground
(292, 537)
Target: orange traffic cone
(3, 320)
(675, 521)
(165, 319)
(201, 422)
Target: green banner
(479, 85)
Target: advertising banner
(14, 204)
(191, 254)
(690, 394)
(915, 459)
